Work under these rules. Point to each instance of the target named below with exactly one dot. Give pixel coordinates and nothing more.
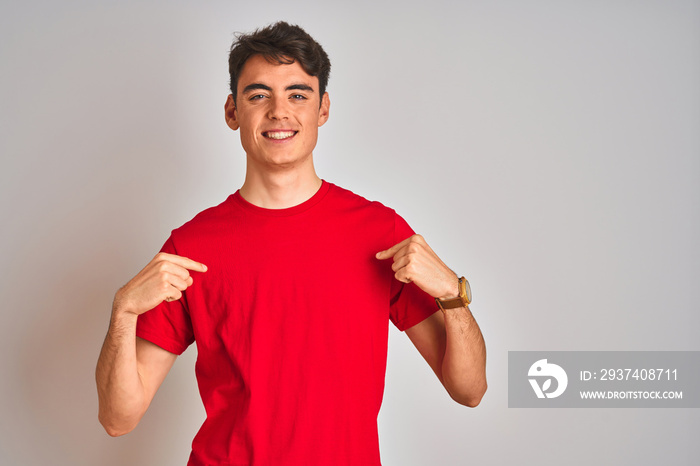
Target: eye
(298, 97)
(256, 97)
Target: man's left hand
(415, 261)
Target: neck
(280, 189)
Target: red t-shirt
(291, 324)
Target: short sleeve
(409, 304)
(168, 325)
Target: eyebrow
(299, 87)
(255, 87)
(292, 87)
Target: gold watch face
(466, 290)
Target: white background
(548, 150)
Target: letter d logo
(542, 369)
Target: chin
(286, 162)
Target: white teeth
(279, 134)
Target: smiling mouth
(279, 134)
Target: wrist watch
(464, 298)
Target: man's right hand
(163, 279)
(129, 369)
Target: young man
(291, 311)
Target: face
(278, 110)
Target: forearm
(464, 364)
(119, 387)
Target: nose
(278, 109)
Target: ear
(324, 111)
(230, 113)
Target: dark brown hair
(282, 43)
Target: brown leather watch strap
(451, 303)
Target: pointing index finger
(392, 250)
(186, 262)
